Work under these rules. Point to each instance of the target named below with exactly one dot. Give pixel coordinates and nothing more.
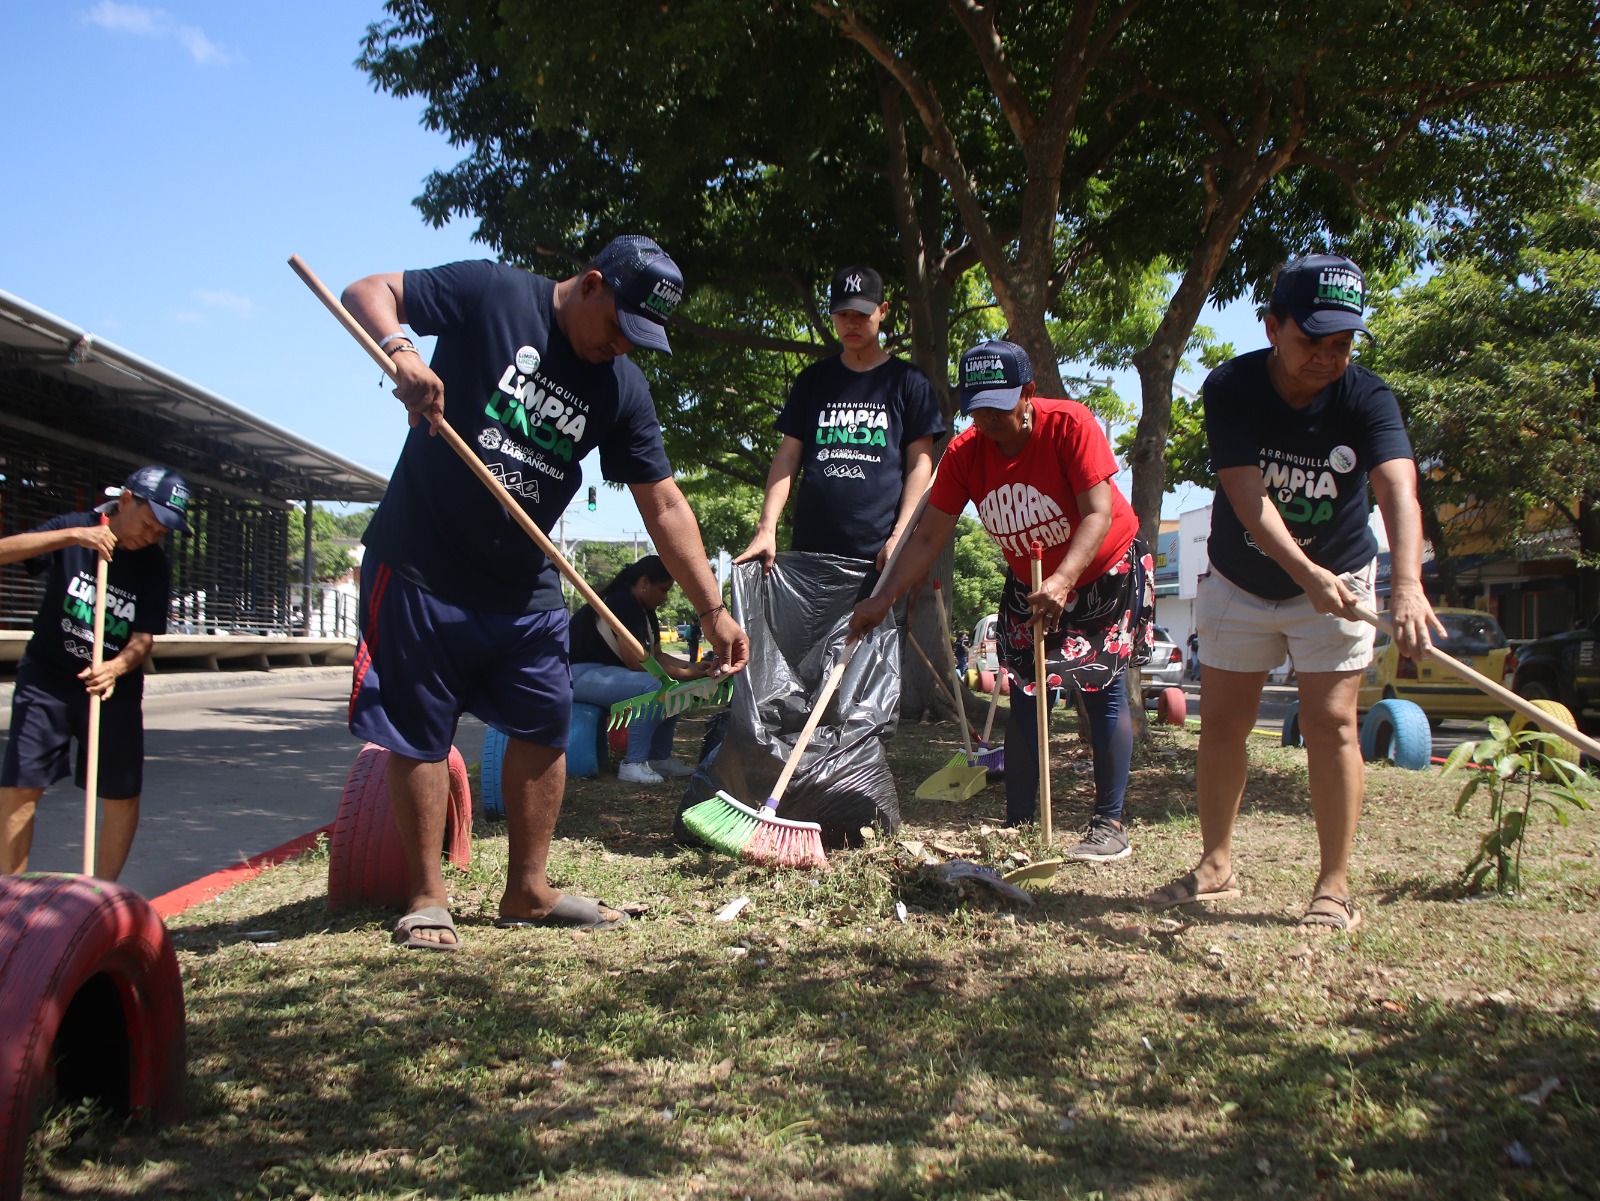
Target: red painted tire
(1172, 706)
(91, 994)
(617, 741)
(366, 863)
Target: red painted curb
(171, 904)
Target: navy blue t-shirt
(1314, 462)
(516, 391)
(590, 646)
(136, 599)
(854, 428)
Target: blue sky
(164, 162)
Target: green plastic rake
(674, 696)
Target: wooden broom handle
(955, 674)
(91, 750)
(1500, 693)
(1041, 694)
(464, 452)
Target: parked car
(1165, 669)
(1565, 668)
(982, 657)
(1476, 639)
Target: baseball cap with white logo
(855, 290)
(1324, 293)
(647, 286)
(992, 376)
(164, 490)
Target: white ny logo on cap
(852, 283)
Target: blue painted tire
(494, 754)
(1291, 726)
(1397, 731)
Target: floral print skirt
(1104, 629)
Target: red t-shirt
(1035, 495)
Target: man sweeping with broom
(459, 610)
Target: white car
(1165, 669)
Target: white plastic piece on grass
(899, 911)
(732, 909)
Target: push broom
(963, 777)
(759, 835)
(674, 696)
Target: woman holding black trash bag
(1041, 470)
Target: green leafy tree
(980, 574)
(329, 560)
(1496, 361)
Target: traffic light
(591, 498)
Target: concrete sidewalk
(170, 683)
(236, 763)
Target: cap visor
(991, 398)
(1319, 323)
(856, 304)
(170, 518)
(641, 331)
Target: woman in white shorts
(1296, 433)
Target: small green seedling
(1519, 771)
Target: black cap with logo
(164, 490)
(855, 290)
(1324, 293)
(647, 285)
(992, 375)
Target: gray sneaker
(1105, 841)
(671, 769)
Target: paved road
(229, 772)
(1275, 704)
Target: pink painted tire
(1172, 706)
(91, 998)
(366, 863)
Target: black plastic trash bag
(797, 619)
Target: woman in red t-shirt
(1041, 470)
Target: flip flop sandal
(1185, 890)
(429, 917)
(572, 913)
(1345, 920)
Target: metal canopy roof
(142, 413)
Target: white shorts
(1240, 631)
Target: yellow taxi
(1476, 639)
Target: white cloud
(157, 23)
(231, 301)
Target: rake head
(673, 698)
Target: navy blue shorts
(422, 663)
(49, 709)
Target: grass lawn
(817, 1047)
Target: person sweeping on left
(460, 611)
(50, 707)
